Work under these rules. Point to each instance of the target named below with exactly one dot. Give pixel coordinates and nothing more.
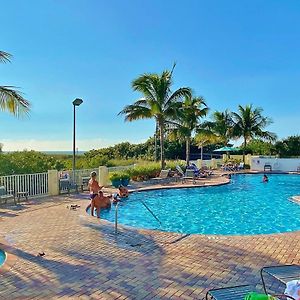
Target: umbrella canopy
(227, 149)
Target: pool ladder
(116, 218)
(116, 215)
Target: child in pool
(122, 193)
(265, 178)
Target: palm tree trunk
(187, 150)
(244, 149)
(155, 146)
(162, 149)
(201, 152)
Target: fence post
(53, 183)
(213, 163)
(248, 159)
(103, 176)
(199, 163)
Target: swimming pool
(245, 206)
(2, 257)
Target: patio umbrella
(227, 149)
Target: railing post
(53, 183)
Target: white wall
(277, 164)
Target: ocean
(63, 152)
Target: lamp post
(76, 102)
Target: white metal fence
(79, 175)
(34, 184)
(37, 184)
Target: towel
(256, 296)
(293, 289)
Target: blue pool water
(245, 206)
(2, 257)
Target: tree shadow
(4, 214)
(220, 264)
(113, 268)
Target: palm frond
(12, 101)
(5, 57)
(146, 85)
(135, 112)
(179, 95)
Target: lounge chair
(281, 273)
(198, 173)
(189, 175)
(180, 171)
(237, 293)
(163, 175)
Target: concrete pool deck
(84, 259)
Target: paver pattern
(85, 259)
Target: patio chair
(267, 167)
(6, 195)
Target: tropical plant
(187, 120)
(10, 99)
(158, 102)
(258, 147)
(289, 147)
(249, 123)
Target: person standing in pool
(95, 190)
(265, 178)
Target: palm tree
(188, 118)
(206, 137)
(249, 123)
(220, 126)
(158, 102)
(10, 99)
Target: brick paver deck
(84, 258)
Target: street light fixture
(76, 102)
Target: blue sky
(229, 52)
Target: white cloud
(57, 145)
(54, 145)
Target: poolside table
(22, 194)
(281, 273)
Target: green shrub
(115, 176)
(120, 162)
(124, 175)
(144, 171)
